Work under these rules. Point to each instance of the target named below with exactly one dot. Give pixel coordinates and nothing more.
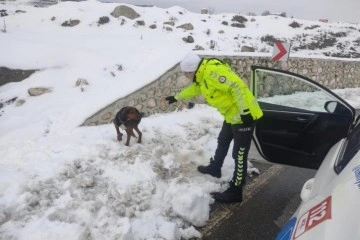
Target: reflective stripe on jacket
(223, 89)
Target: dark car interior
(302, 119)
(298, 137)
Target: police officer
(224, 90)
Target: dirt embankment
(13, 75)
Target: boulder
(198, 47)
(20, 102)
(188, 39)
(140, 23)
(247, 49)
(153, 26)
(186, 26)
(124, 11)
(204, 11)
(38, 91)
(70, 23)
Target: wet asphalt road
(269, 201)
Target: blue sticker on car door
(287, 230)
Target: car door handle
(302, 119)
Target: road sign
(281, 51)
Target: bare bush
(312, 27)
(283, 14)
(103, 20)
(343, 55)
(3, 13)
(208, 32)
(251, 14)
(238, 25)
(266, 13)
(239, 19)
(212, 44)
(269, 39)
(211, 10)
(173, 19)
(318, 42)
(295, 24)
(338, 34)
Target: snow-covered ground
(61, 181)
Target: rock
(247, 49)
(70, 23)
(38, 91)
(182, 82)
(171, 23)
(20, 102)
(186, 26)
(125, 11)
(106, 116)
(198, 47)
(204, 11)
(188, 39)
(151, 103)
(140, 23)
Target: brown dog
(130, 117)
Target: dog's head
(133, 114)
(129, 115)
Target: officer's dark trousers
(242, 135)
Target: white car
(307, 125)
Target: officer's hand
(171, 99)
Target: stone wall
(151, 98)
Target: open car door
(302, 119)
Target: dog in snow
(129, 117)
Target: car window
(350, 148)
(290, 91)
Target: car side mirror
(336, 107)
(307, 189)
(330, 106)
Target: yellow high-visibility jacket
(223, 89)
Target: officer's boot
(213, 169)
(230, 195)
